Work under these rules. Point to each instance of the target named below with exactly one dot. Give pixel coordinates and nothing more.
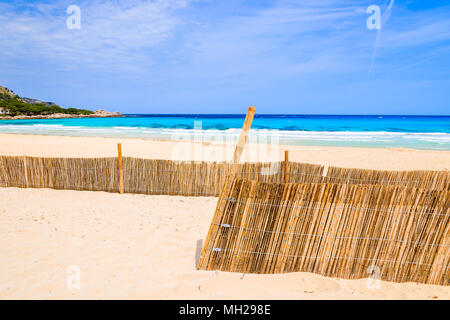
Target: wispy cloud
(114, 35)
(288, 37)
(277, 41)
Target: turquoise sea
(418, 132)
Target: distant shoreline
(96, 114)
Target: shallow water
(419, 132)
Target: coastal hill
(6, 91)
(12, 106)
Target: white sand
(143, 247)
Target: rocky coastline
(96, 114)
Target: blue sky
(206, 56)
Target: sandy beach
(146, 144)
(141, 247)
(145, 247)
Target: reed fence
(337, 230)
(149, 176)
(334, 221)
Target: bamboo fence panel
(95, 174)
(149, 176)
(197, 178)
(336, 230)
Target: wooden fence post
(286, 166)
(4, 176)
(119, 151)
(242, 139)
(25, 169)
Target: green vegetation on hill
(15, 107)
(6, 91)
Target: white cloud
(158, 40)
(279, 41)
(113, 35)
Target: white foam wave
(440, 140)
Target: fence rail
(338, 230)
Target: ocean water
(418, 132)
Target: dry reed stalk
(286, 166)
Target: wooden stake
(286, 166)
(119, 151)
(25, 171)
(4, 176)
(243, 138)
